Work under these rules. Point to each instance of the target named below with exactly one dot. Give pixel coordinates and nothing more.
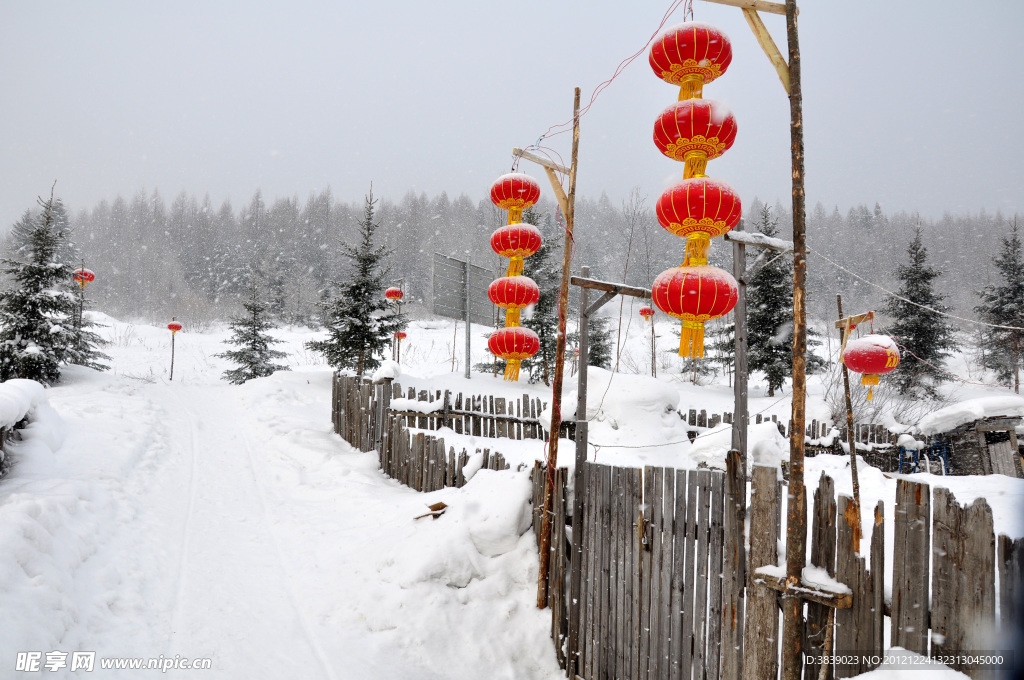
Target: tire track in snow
(286, 571)
(186, 530)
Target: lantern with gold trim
(513, 344)
(695, 131)
(513, 294)
(515, 192)
(394, 294)
(690, 55)
(694, 294)
(647, 313)
(871, 356)
(83, 276)
(699, 210)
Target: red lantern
(400, 335)
(690, 55)
(699, 210)
(174, 327)
(871, 356)
(694, 295)
(695, 131)
(83, 276)
(394, 293)
(516, 241)
(513, 292)
(513, 344)
(515, 192)
(647, 313)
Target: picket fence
(667, 586)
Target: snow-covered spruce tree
(254, 355)
(84, 351)
(925, 333)
(1003, 305)
(770, 313)
(543, 319)
(37, 314)
(360, 322)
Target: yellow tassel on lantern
(691, 87)
(512, 370)
(515, 215)
(696, 162)
(870, 381)
(512, 317)
(691, 339)
(697, 245)
(515, 266)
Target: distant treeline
(192, 259)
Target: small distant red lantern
(515, 192)
(513, 344)
(400, 335)
(513, 293)
(394, 294)
(691, 55)
(694, 295)
(174, 327)
(695, 131)
(647, 313)
(83, 276)
(872, 356)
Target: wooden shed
(981, 435)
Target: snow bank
(766, 444)
(389, 370)
(416, 406)
(951, 417)
(17, 398)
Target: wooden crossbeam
(756, 5)
(855, 320)
(771, 50)
(806, 591)
(541, 161)
(616, 288)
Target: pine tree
(84, 351)
(925, 333)
(37, 314)
(359, 320)
(543, 320)
(1003, 305)
(254, 355)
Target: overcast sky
(916, 105)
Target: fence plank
(715, 576)
(676, 631)
(634, 487)
(689, 589)
(588, 590)
(761, 644)
(910, 566)
(976, 582)
(946, 560)
(823, 554)
(665, 571)
(656, 504)
(856, 626)
(645, 574)
(1011, 578)
(700, 604)
(734, 567)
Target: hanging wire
(916, 304)
(561, 128)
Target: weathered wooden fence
(665, 592)
(361, 414)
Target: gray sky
(916, 105)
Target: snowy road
(201, 520)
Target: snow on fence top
(952, 417)
(17, 398)
(756, 238)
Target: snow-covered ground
(146, 518)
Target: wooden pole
(851, 439)
(740, 415)
(556, 387)
(796, 529)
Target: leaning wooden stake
(796, 529)
(556, 387)
(851, 439)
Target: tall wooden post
(796, 530)
(740, 416)
(556, 387)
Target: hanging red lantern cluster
(694, 131)
(83, 276)
(514, 192)
(871, 356)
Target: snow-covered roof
(951, 417)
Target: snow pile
(766, 444)
(628, 411)
(17, 398)
(416, 406)
(951, 417)
(907, 442)
(389, 370)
